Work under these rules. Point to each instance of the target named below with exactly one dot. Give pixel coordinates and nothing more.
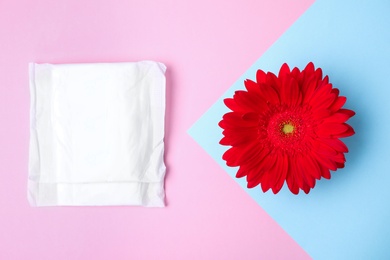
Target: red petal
(331, 129)
(325, 172)
(268, 162)
(253, 154)
(236, 132)
(230, 103)
(296, 170)
(306, 188)
(249, 102)
(320, 94)
(244, 170)
(239, 124)
(241, 172)
(318, 74)
(254, 175)
(336, 144)
(324, 82)
(232, 156)
(265, 182)
(309, 180)
(232, 130)
(291, 183)
(269, 94)
(347, 133)
(261, 77)
(262, 165)
(272, 173)
(284, 71)
(320, 114)
(324, 103)
(259, 159)
(250, 117)
(290, 93)
(280, 170)
(237, 156)
(308, 88)
(296, 95)
(347, 112)
(323, 148)
(256, 178)
(239, 120)
(273, 81)
(338, 117)
(325, 162)
(232, 116)
(295, 73)
(313, 168)
(251, 86)
(231, 153)
(340, 165)
(238, 140)
(304, 173)
(335, 91)
(338, 103)
(339, 158)
(309, 69)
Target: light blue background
(347, 217)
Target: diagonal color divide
(346, 217)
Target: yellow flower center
(288, 128)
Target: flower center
(288, 128)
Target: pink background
(206, 46)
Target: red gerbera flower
(286, 128)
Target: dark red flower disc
(286, 128)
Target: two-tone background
(209, 47)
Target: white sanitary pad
(97, 134)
